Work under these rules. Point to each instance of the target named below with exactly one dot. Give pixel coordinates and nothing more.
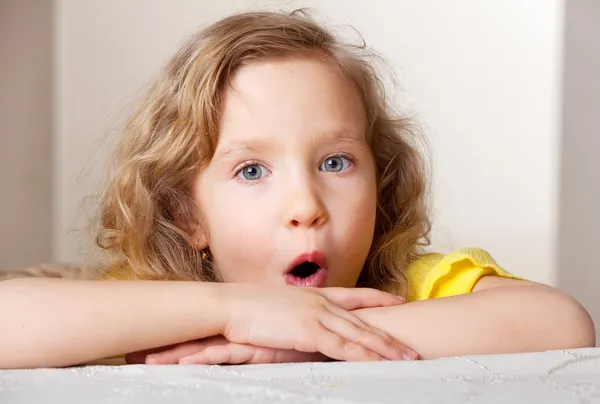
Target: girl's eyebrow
(347, 136)
(344, 138)
(233, 149)
(243, 147)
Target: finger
(357, 298)
(231, 353)
(408, 353)
(248, 354)
(354, 352)
(360, 323)
(338, 311)
(377, 342)
(336, 347)
(139, 357)
(172, 355)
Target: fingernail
(151, 359)
(409, 355)
(185, 360)
(402, 299)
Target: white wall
(483, 77)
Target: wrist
(212, 300)
(230, 305)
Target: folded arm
(500, 316)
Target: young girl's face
(292, 179)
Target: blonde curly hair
(173, 134)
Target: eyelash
(257, 162)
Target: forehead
(290, 97)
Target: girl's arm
(500, 316)
(60, 322)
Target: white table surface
(550, 377)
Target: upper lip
(315, 256)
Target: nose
(304, 206)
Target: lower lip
(315, 280)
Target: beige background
(579, 226)
(26, 173)
(506, 91)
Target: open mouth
(307, 270)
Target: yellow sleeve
(435, 275)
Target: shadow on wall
(579, 223)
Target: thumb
(360, 298)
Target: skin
(313, 183)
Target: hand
(309, 320)
(218, 351)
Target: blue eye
(252, 172)
(335, 164)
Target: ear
(193, 232)
(199, 238)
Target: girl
(267, 205)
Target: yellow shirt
(436, 275)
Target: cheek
(238, 237)
(354, 224)
(360, 215)
(361, 201)
(353, 210)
